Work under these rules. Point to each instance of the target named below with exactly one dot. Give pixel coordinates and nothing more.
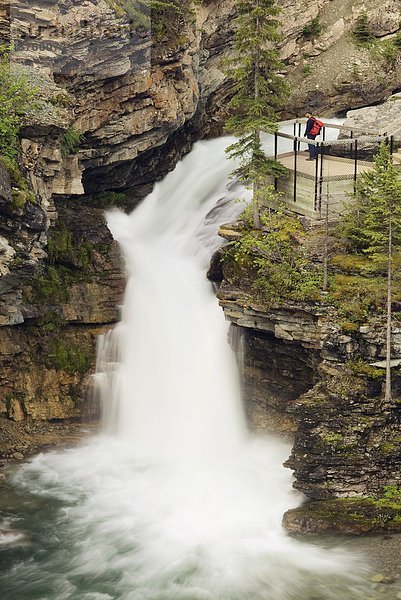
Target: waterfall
(175, 500)
(174, 390)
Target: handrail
(303, 120)
(340, 142)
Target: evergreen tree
(362, 31)
(373, 226)
(258, 92)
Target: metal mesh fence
(327, 167)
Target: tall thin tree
(373, 227)
(258, 92)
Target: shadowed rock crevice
(275, 373)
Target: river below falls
(89, 524)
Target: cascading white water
(174, 390)
(177, 501)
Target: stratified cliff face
(299, 364)
(125, 93)
(135, 104)
(48, 354)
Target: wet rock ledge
(301, 368)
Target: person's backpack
(317, 125)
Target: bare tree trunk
(256, 211)
(326, 244)
(387, 393)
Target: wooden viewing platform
(321, 188)
(333, 166)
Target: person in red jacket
(311, 133)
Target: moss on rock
(348, 515)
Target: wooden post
(321, 175)
(295, 167)
(316, 176)
(326, 243)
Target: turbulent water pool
(176, 500)
(93, 524)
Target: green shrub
(390, 496)
(312, 29)
(349, 263)
(62, 249)
(49, 287)
(70, 141)
(17, 98)
(357, 298)
(361, 368)
(386, 51)
(59, 245)
(360, 264)
(272, 262)
(64, 356)
(21, 193)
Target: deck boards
(334, 167)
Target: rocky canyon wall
(305, 374)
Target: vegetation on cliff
(141, 11)
(16, 99)
(372, 229)
(70, 141)
(20, 191)
(273, 262)
(364, 259)
(384, 51)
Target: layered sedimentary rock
(47, 360)
(301, 364)
(112, 83)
